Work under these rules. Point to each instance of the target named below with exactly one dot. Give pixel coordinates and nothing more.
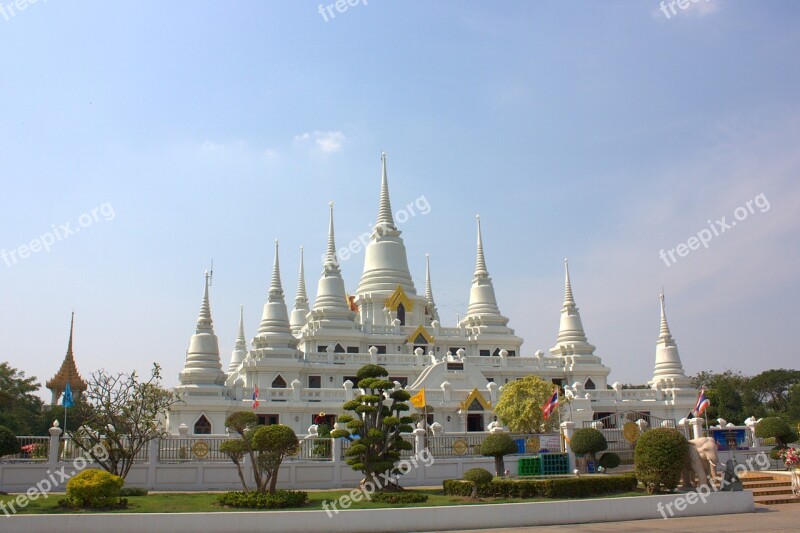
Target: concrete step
(765, 484)
(776, 500)
(772, 491)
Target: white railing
(180, 449)
(32, 449)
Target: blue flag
(67, 401)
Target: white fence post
(153, 448)
(55, 433)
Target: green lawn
(207, 502)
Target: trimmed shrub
(477, 477)
(776, 428)
(498, 445)
(659, 457)
(399, 497)
(92, 489)
(281, 499)
(588, 441)
(132, 491)
(609, 460)
(565, 487)
(9, 444)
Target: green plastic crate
(529, 466)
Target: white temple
(304, 363)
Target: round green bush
(399, 497)
(497, 445)
(775, 453)
(94, 489)
(9, 443)
(773, 427)
(609, 460)
(588, 441)
(659, 457)
(281, 499)
(478, 475)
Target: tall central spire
(571, 338)
(385, 261)
(275, 287)
(480, 260)
(664, 333)
(385, 219)
(68, 373)
(331, 260)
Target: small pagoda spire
(298, 317)
(668, 370)
(434, 314)
(204, 322)
(385, 220)
(240, 347)
(571, 338)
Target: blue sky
(599, 131)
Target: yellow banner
(418, 400)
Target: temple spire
(568, 299)
(385, 220)
(331, 260)
(664, 333)
(275, 287)
(668, 370)
(204, 321)
(480, 260)
(202, 367)
(298, 317)
(274, 333)
(240, 347)
(68, 373)
(571, 338)
(434, 314)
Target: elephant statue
(702, 461)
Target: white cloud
(327, 142)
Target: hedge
(94, 489)
(566, 487)
(282, 499)
(399, 497)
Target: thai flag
(550, 405)
(255, 397)
(702, 403)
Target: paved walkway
(779, 518)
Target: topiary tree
(374, 426)
(478, 476)
(776, 428)
(609, 460)
(588, 441)
(274, 443)
(520, 406)
(9, 443)
(497, 445)
(659, 458)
